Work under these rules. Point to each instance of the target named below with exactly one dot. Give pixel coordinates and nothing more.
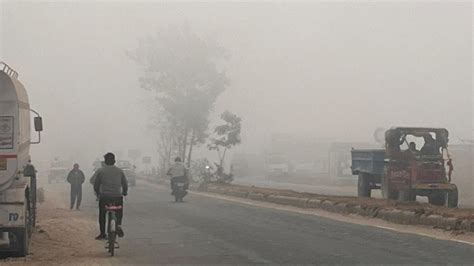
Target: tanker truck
(17, 174)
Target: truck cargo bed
(368, 161)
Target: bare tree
(182, 69)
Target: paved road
(206, 230)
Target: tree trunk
(185, 142)
(169, 153)
(191, 144)
(222, 159)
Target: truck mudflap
(434, 186)
(13, 204)
(12, 215)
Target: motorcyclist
(110, 185)
(179, 174)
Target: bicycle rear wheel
(112, 234)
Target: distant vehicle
(58, 171)
(339, 162)
(276, 165)
(129, 169)
(403, 170)
(247, 165)
(57, 174)
(304, 168)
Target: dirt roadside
(63, 236)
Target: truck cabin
(418, 143)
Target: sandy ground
(64, 236)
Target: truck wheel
(453, 198)
(437, 198)
(363, 188)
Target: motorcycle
(180, 190)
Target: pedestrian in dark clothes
(76, 178)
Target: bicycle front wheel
(112, 243)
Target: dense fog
(325, 71)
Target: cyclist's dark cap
(109, 159)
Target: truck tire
(363, 186)
(453, 198)
(437, 198)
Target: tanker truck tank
(17, 176)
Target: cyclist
(110, 185)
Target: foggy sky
(330, 71)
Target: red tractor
(415, 162)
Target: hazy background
(331, 71)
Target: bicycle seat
(113, 207)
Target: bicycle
(112, 243)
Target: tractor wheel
(363, 186)
(437, 198)
(453, 198)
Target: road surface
(205, 230)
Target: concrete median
(390, 211)
(284, 200)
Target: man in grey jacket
(76, 178)
(110, 185)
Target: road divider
(410, 213)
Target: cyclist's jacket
(110, 181)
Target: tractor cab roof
(395, 134)
(419, 131)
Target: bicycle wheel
(112, 243)
(112, 234)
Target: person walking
(76, 178)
